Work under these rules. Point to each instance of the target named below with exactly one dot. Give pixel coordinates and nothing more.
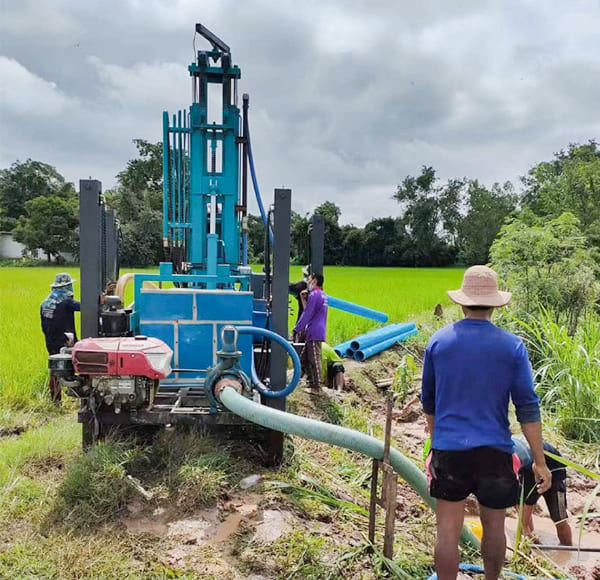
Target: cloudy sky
(347, 97)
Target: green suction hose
(334, 435)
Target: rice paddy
(402, 293)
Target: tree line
(433, 223)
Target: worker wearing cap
(312, 326)
(555, 497)
(58, 319)
(471, 370)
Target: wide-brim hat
(480, 288)
(62, 279)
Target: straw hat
(62, 279)
(480, 288)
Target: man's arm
(430, 423)
(527, 406)
(428, 390)
(543, 476)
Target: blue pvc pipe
(260, 387)
(357, 309)
(364, 354)
(375, 332)
(379, 335)
(342, 348)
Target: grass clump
(202, 481)
(68, 556)
(30, 464)
(96, 489)
(329, 410)
(295, 556)
(567, 372)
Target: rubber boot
(55, 390)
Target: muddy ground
(209, 538)
(247, 533)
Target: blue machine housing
(205, 285)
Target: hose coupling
(232, 382)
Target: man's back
(57, 321)
(314, 318)
(472, 368)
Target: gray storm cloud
(347, 98)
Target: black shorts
(555, 497)
(486, 472)
(332, 370)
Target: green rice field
(403, 293)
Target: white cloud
(347, 98)
(24, 94)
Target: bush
(547, 266)
(25, 262)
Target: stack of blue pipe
(371, 343)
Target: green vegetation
(61, 505)
(567, 372)
(400, 292)
(23, 356)
(547, 265)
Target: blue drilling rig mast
(202, 208)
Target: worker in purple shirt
(311, 326)
(471, 370)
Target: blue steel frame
(201, 182)
(202, 222)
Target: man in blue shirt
(471, 370)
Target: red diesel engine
(121, 371)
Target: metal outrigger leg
(389, 485)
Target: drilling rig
(205, 319)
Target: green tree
(25, 181)
(383, 240)
(138, 199)
(256, 239)
(51, 225)
(547, 264)
(431, 215)
(353, 245)
(570, 182)
(299, 238)
(486, 212)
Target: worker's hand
(543, 477)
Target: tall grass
(567, 372)
(23, 353)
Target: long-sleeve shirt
(471, 370)
(57, 321)
(313, 322)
